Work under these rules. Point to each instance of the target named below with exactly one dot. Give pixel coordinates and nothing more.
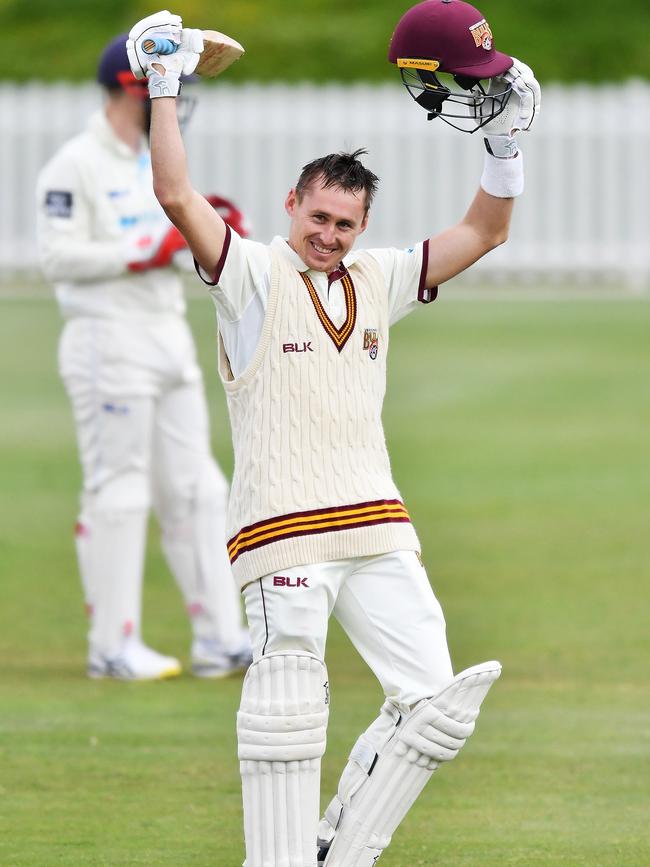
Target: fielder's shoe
(210, 658)
(135, 661)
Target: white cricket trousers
(384, 603)
(143, 434)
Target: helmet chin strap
(433, 92)
(467, 82)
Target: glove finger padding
(528, 92)
(160, 25)
(523, 105)
(190, 49)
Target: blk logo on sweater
(305, 346)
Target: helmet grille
(462, 101)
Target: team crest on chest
(371, 342)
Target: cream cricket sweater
(312, 479)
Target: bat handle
(159, 46)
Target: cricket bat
(219, 52)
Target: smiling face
(325, 223)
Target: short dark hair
(342, 170)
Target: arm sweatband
(503, 178)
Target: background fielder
(317, 524)
(129, 366)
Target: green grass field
(519, 432)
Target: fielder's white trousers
(143, 434)
(384, 603)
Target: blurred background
(517, 417)
(316, 79)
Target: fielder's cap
(447, 35)
(114, 69)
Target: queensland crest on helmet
(445, 52)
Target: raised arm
(486, 223)
(203, 228)
(484, 227)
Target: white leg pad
(380, 784)
(281, 731)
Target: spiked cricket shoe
(211, 659)
(135, 661)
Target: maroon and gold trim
(340, 335)
(316, 521)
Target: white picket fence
(585, 213)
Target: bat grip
(159, 46)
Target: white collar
(99, 126)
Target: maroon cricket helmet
(451, 32)
(450, 36)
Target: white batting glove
(162, 25)
(520, 112)
(163, 71)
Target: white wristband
(503, 178)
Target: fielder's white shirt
(96, 212)
(242, 281)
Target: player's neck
(125, 126)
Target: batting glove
(521, 109)
(163, 69)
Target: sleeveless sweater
(312, 479)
